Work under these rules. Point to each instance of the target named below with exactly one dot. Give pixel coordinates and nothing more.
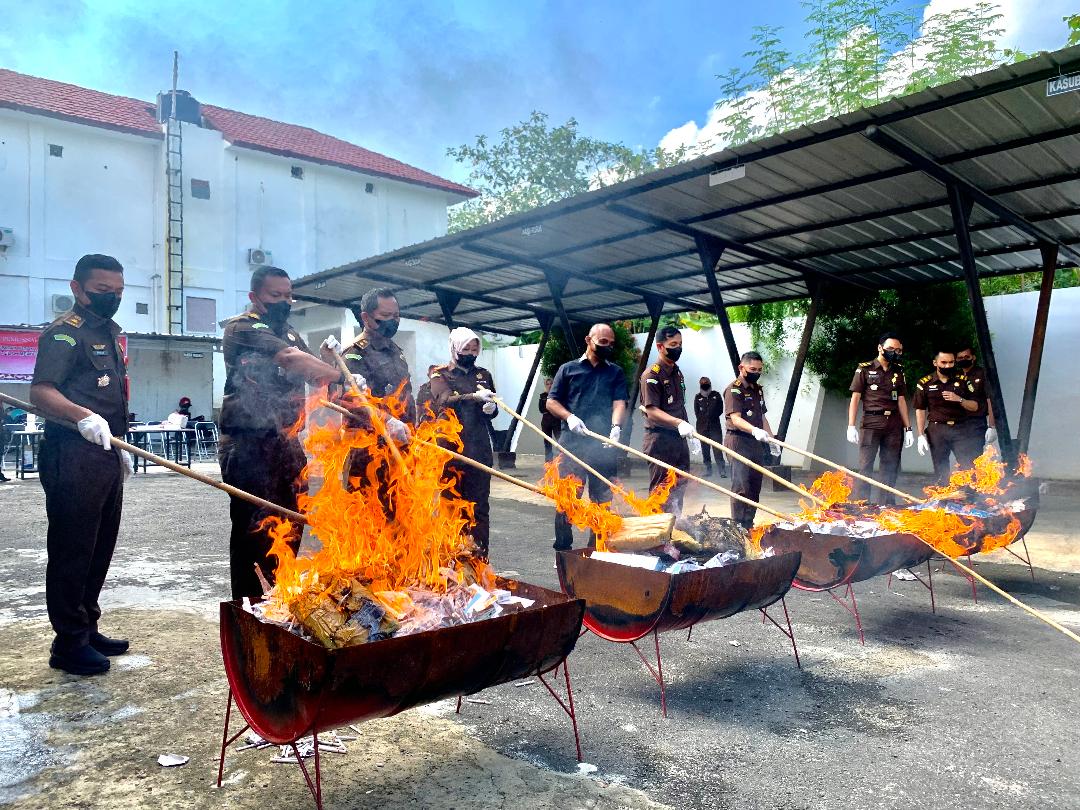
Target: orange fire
(832, 487)
(400, 525)
(653, 504)
(566, 492)
(945, 531)
(1023, 465)
(985, 477)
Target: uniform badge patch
(749, 413)
(259, 325)
(873, 387)
(64, 339)
(98, 346)
(352, 357)
(292, 336)
(103, 381)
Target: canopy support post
(710, 252)
(655, 307)
(557, 284)
(800, 359)
(448, 303)
(523, 400)
(1038, 340)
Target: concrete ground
(973, 707)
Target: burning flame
(943, 530)
(399, 524)
(985, 477)
(1023, 465)
(653, 504)
(566, 491)
(832, 487)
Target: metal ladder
(174, 172)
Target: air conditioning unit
(61, 303)
(257, 257)
(7, 238)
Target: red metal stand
(1026, 559)
(848, 603)
(566, 705)
(927, 583)
(314, 786)
(658, 673)
(789, 632)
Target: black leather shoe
(108, 646)
(83, 660)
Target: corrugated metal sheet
(822, 201)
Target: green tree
(533, 164)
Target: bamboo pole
(690, 476)
(464, 459)
(754, 466)
(376, 421)
(844, 469)
(164, 462)
(614, 487)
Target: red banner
(18, 353)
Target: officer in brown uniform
(968, 365)
(709, 422)
(469, 391)
(378, 365)
(80, 377)
(747, 429)
(669, 437)
(946, 417)
(880, 385)
(267, 365)
(423, 394)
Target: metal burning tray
(624, 604)
(287, 687)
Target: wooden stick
(464, 459)
(614, 487)
(685, 474)
(376, 420)
(164, 462)
(844, 469)
(752, 465)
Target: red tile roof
(73, 103)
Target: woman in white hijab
(468, 391)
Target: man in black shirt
(589, 392)
(80, 377)
(267, 364)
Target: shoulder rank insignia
(865, 364)
(655, 368)
(74, 320)
(292, 336)
(65, 339)
(259, 325)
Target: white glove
(489, 408)
(361, 383)
(694, 443)
(484, 395)
(760, 434)
(127, 463)
(775, 448)
(923, 446)
(991, 436)
(909, 438)
(686, 429)
(332, 344)
(616, 433)
(397, 431)
(95, 429)
(574, 424)
(853, 434)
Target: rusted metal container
(287, 687)
(624, 604)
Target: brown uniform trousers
(669, 446)
(745, 480)
(964, 439)
(885, 443)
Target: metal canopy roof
(861, 199)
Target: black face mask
(752, 376)
(466, 360)
(890, 355)
(604, 352)
(948, 372)
(277, 313)
(387, 328)
(673, 354)
(103, 304)
(965, 363)
(706, 387)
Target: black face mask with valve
(277, 313)
(104, 305)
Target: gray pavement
(973, 707)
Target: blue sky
(411, 78)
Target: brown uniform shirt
(385, 368)
(881, 390)
(79, 354)
(709, 412)
(662, 387)
(929, 392)
(260, 397)
(977, 377)
(449, 391)
(747, 400)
